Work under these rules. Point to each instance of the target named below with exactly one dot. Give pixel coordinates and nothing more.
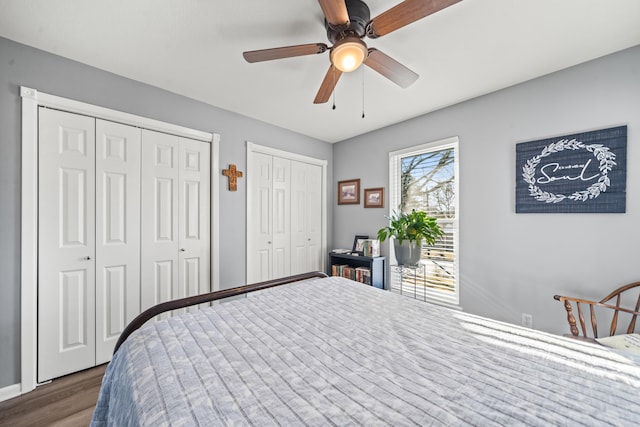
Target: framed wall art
(349, 192)
(580, 173)
(374, 197)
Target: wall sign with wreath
(580, 173)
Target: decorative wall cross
(233, 174)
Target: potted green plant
(408, 231)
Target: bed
(330, 351)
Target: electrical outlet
(527, 320)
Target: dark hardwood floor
(66, 401)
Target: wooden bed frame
(151, 312)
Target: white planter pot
(407, 253)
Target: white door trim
(31, 100)
(255, 148)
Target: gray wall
(511, 263)
(22, 65)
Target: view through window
(425, 178)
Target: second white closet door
(281, 230)
(175, 218)
(306, 218)
(66, 245)
(268, 218)
(194, 209)
(89, 242)
(117, 232)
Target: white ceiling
(194, 48)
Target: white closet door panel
(281, 215)
(117, 232)
(73, 292)
(261, 266)
(161, 286)
(194, 215)
(259, 218)
(314, 218)
(66, 244)
(306, 217)
(159, 212)
(164, 191)
(111, 308)
(298, 259)
(299, 213)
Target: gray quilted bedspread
(336, 352)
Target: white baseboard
(10, 392)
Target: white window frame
(395, 157)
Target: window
(426, 178)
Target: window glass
(425, 178)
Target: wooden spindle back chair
(605, 304)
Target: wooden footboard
(151, 312)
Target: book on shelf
(336, 269)
(349, 272)
(371, 247)
(358, 274)
(342, 270)
(363, 275)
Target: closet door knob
(87, 258)
(182, 250)
(269, 242)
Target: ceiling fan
(347, 23)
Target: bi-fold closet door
(306, 218)
(175, 218)
(284, 217)
(92, 240)
(268, 218)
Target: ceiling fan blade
(405, 13)
(335, 12)
(284, 52)
(328, 84)
(390, 68)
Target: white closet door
(194, 218)
(66, 244)
(117, 232)
(314, 219)
(259, 218)
(159, 213)
(306, 219)
(281, 211)
(299, 212)
(175, 218)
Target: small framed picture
(349, 192)
(358, 244)
(374, 197)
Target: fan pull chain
(333, 74)
(362, 92)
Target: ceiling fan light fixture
(348, 54)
